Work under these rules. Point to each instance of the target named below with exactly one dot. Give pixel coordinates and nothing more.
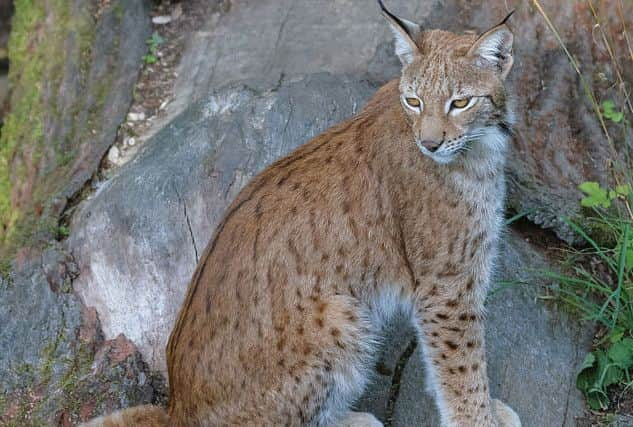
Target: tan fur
(282, 319)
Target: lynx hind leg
(357, 419)
(505, 416)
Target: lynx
(396, 211)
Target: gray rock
(46, 376)
(38, 318)
(55, 366)
(98, 106)
(623, 421)
(137, 241)
(533, 354)
(267, 41)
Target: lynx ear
(405, 32)
(494, 48)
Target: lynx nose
(432, 146)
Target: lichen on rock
(56, 366)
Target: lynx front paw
(359, 419)
(504, 415)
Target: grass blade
(599, 250)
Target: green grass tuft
(598, 284)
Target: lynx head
(452, 88)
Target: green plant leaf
(154, 42)
(623, 190)
(612, 375)
(588, 374)
(617, 117)
(628, 254)
(150, 59)
(621, 353)
(63, 231)
(589, 187)
(608, 373)
(608, 106)
(596, 195)
(590, 380)
(157, 39)
(590, 359)
(597, 400)
(616, 334)
(609, 111)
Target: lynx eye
(413, 102)
(460, 103)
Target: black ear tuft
(394, 17)
(503, 22)
(405, 32)
(507, 18)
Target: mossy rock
(73, 69)
(56, 368)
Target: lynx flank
(397, 210)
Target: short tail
(138, 416)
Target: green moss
(24, 124)
(5, 271)
(23, 402)
(48, 357)
(71, 384)
(32, 160)
(25, 119)
(119, 11)
(39, 390)
(24, 416)
(3, 403)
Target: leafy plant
(602, 369)
(153, 43)
(610, 113)
(600, 197)
(59, 232)
(599, 285)
(62, 232)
